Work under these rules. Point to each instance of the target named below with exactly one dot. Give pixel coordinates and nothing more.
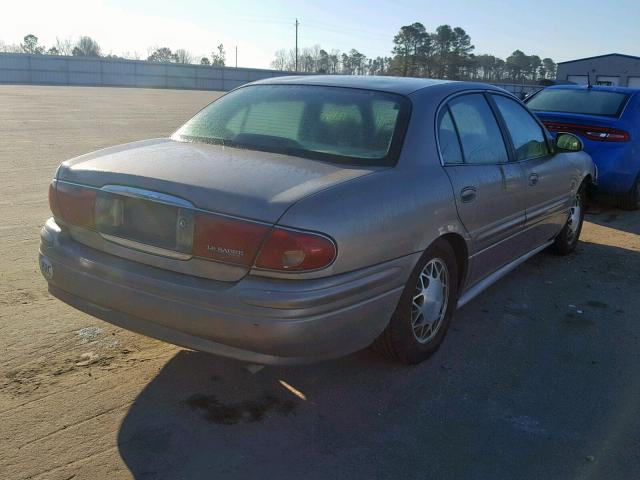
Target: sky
(560, 29)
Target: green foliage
(219, 58)
(30, 45)
(412, 49)
(446, 53)
(162, 55)
(86, 47)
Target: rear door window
(480, 136)
(526, 134)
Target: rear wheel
(567, 239)
(631, 201)
(425, 309)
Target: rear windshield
(588, 102)
(327, 123)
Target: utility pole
(236, 56)
(297, 23)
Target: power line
(346, 31)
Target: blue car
(607, 119)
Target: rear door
(550, 178)
(489, 190)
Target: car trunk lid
(150, 197)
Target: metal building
(612, 69)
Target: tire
(567, 240)
(631, 201)
(400, 340)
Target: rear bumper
(257, 319)
(618, 167)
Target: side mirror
(568, 142)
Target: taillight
(596, 133)
(227, 240)
(53, 200)
(72, 203)
(291, 250)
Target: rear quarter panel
(390, 213)
(380, 217)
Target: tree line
(446, 53)
(88, 47)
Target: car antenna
(589, 81)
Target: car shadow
(603, 211)
(511, 393)
(610, 217)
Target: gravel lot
(538, 378)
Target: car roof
(598, 88)
(399, 85)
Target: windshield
(328, 123)
(588, 102)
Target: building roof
(601, 56)
(400, 85)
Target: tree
(218, 59)
(280, 60)
(65, 46)
(182, 56)
(53, 51)
(549, 69)
(86, 47)
(486, 66)
(205, 61)
(517, 65)
(378, 65)
(30, 45)
(411, 48)
(323, 62)
(162, 55)
(443, 39)
(357, 62)
(10, 48)
(334, 61)
(534, 67)
(459, 54)
(345, 61)
(446, 53)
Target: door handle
(533, 179)
(468, 194)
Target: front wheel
(425, 309)
(567, 239)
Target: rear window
(588, 102)
(328, 123)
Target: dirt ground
(538, 378)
